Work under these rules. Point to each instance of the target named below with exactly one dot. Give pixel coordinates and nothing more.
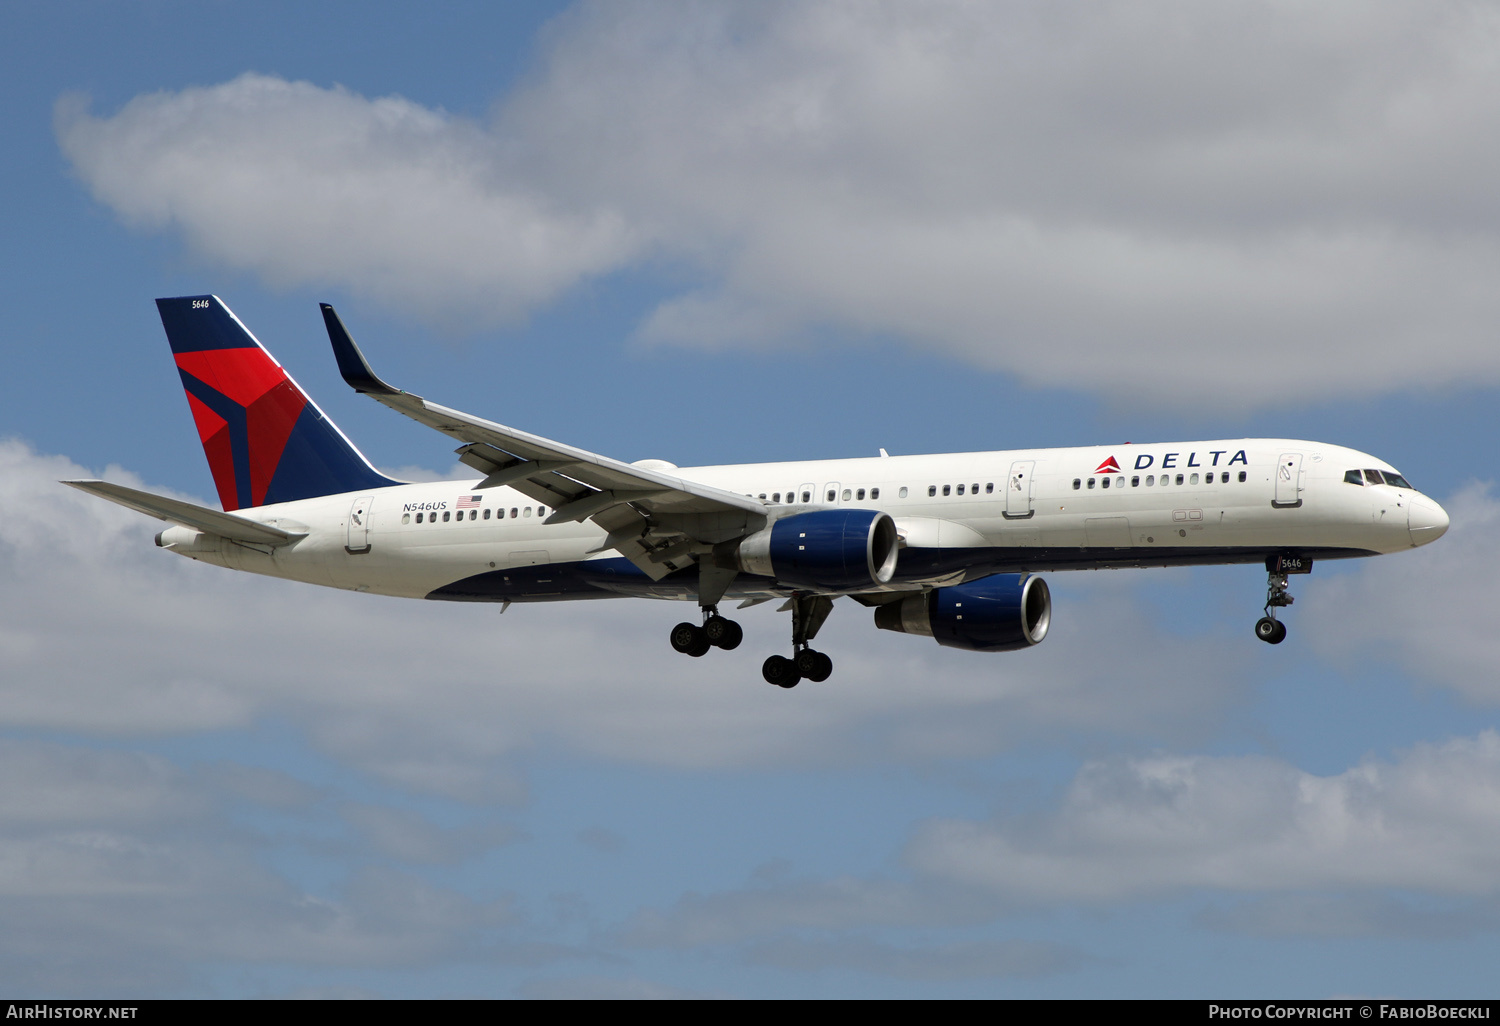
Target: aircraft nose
(1426, 520)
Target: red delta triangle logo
(1109, 466)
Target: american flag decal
(468, 501)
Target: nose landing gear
(1269, 629)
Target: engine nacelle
(993, 614)
(827, 548)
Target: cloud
(773, 907)
(1363, 914)
(122, 871)
(1167, 192)
(410, 837)
(308, 185)
(1006, 959)
(1431, 609)
(608, 988)
(1427, 822)
(104, 634)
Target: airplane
(942, 546)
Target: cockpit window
(1354, 477)
(1397, 481)
(1373, 476)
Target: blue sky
(721, 233)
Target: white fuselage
(961, 516)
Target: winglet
(352, 363)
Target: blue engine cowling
(836, 549)
(993, 614)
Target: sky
(716, 233)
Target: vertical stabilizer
(265, 440)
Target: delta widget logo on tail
(1109, 466)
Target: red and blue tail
(266, 441)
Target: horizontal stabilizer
(175, 511)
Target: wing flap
(200, 518)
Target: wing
(656, 520)
(200, 518)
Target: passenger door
(357, 539)
(1018, 490)
(1288, 481)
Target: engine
(993, 614)
(838, 549)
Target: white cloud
(965, 960)
(1429, 821)
(122, 871)
(302, 184)
(102, 633)
(1186, 200)
(1432, 609)
(772, 907)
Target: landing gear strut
(1269, 629)
(808, 614)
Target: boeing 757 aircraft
(943, 546)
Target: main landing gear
(808, 614)
(1269, 629)
(716, 632)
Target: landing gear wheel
(724, 633)
(815, 666)
(781, 671)
(690, 639)
(1272, 632)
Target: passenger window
(445, 516)
(419, 518)
(846, 495)
(1373, 476)
(541, 511)
(1104, 482)
(947, 489)
(1242, 475)
(902, 493)
(473, 514)
(1135, 482)
(1179, 479)
(761, 496)
(486, 513)
(406, 518)
(1091, 482)
(874, 493)
(807, 496)
(931, 490)
(526, 512)
(989, 487)
(974, 489)
(1077, 484)
(1193, 479)
(861, 495)
(775, 496)
(1150, 480)
(960, 489)
(831, 494)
